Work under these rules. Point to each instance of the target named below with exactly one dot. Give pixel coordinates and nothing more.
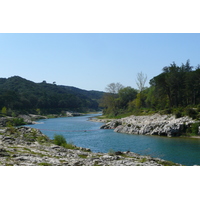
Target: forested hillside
(176, 90)
(19, 94)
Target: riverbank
(27, 119)
(20, 120)
(162, 125)
(25, 146)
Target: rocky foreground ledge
(163, 125)
(26, 146)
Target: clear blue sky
(92, 61)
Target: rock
(118, 153)
(111, 125)
(163, 125)
(73, 114)
(4, 121)
(22, 147)
(28, 119)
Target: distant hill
(17, 93)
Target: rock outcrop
(4, 121)
(26, 119)
(163, 125)
(31, 118)
(73, 114)
(26, 146)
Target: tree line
(21, 95)
(175, 90)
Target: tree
(110, 99)
(4, 110)
(126, 95)
(141, 80)
(114, 88)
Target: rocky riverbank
(163, 125)
(20, 120)
(25, 146)
(73, 114)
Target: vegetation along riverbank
(170, 106)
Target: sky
(91, 61)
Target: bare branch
(114, 88)
(141, 80)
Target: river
(84, 133)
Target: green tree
(110, 101)
(126, 95)
(4, 110)
(38, 111)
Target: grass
(167, 163)
(26, 149)
(82, 156)
(44, 164)
(52, 116)
(143, 160)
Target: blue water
(84, 133)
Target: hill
(17, 93)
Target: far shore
(106, 120)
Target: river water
(84, 133)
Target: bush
(178, 114)
(198, 108)
(18, 122)
(166, 112)
(191, 113)
(195, 128)
(59, 140)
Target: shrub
(166, 112)
(191, 113)
(167, 163)
(195, 128)
(17, 122)
(69, 146)
(198, 108)
(59, 140)
(42, 139)
(142, 160)
(178, 114)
